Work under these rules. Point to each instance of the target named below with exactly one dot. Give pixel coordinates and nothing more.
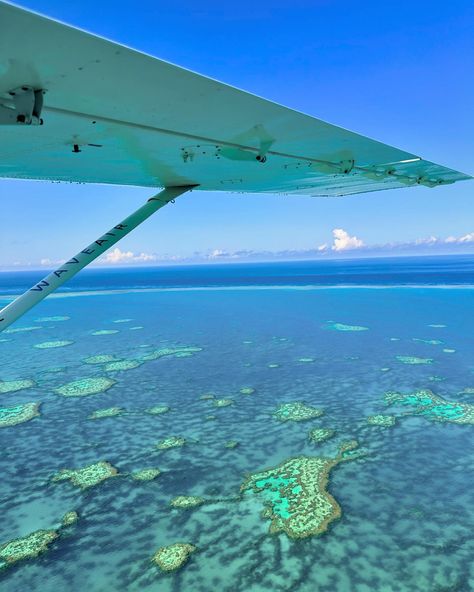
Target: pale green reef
(10, 416)
(123, 321)
(53, 344)
(172, 557)
(11, 386)
(273, 365)
(108, 412)
(121, 365)
(56, 319)
(100, 359)
(158, 410)
(449, 351)
(306, 360)
(223, 402)
(187, 501)
(342, 327)
(169, 351)
(384, 421)
(87, 476)
(21, 329)
(171, 442)
(296, 411)
(247, 390)
(428, 341)
(146, 474)
(105, 332)
(70, 518)
(295, 494)
(425, 403)
(318, 435)
(26, 547)
(412, 360)
(231, 444)
(85, 387)
(206, 397)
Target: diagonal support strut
(51, 282)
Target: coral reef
(109, 412)
(52, 344)
(26, 547)
(85, 387)
(318, 435)
(10, 416)
(206, 397)
(105, 332)
(87, 476)
(296, 411)
(100, 359)
(11, 386)
(424, 402)
(21, 329)
(384, 421)
(171, 442)
(231, 444)
(342, 327)
(414, 360)
(120, 365)
(187, 501)
(172, 557)
(146, 474)
(169, 351)
(55, 319)
(295, 495)
(70, 518)
(247, 390)
(158, 410)
(223, 402)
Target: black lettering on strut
(101, 241)
(58, 272)
(73, 260)
(120, 227)
(40, 286)
(87, 251)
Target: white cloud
(322, 248)
(117, 257)
(344, 242)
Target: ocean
(295, 426)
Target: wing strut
(23, 303)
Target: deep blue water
(407, 505)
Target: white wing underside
(137, 120)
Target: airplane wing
(76, 107)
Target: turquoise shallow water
(407, 505)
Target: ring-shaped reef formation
(295, 494)
(146, 474)
(383, 421)
(26, 547)
(296, 411)
(85, 387)
(186, 502)
(158, 410)
(169, 351)
(108, 412)
(342, 327)
(11, 386)
(10, 416)
(413, 360)
(318, 435)
(87, 476)
(172, 557)
(425, 403)
(52, 344)
(171, 442)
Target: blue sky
(400, 72)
